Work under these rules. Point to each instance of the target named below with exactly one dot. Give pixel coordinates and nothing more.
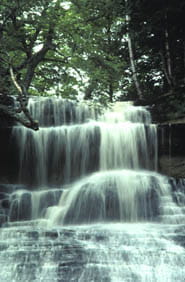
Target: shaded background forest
(103, 50)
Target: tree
(103, 62)
(30, 40)
(134, 47)
(131, 52)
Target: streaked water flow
(89, 204)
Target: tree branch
(6, 111)
(23, 106)
(37, 58)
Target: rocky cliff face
(171, 149)
(8, 156)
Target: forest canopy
(105, 50)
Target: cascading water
(96, 210)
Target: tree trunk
(29, 122)
(131, 56)
(111, 92)
(168, 53)
(37, 58)
(165, 69)
(184, 60)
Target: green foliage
(84, 48)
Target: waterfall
(123, 195)
(88, 203)
(58, 111)
(58, 154)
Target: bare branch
(23, 106)
(14, 81)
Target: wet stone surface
(101, 253)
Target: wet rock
(33, 234)
(10, 188)
(5, 117)
(3, 219)
(52, 234)
(100, 237)
(20, 208)
(112, 204)
(4, 246)
(178, 190)
(179, 239)
(5, 204)
(9, 158)
(6, 100)
(3, 195)
(48, 199)
(179, 236)
(171, 149)
(6, 188)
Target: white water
(118, 195)
(114, 220)
(112, 252)
(57, 111)
(59, 154)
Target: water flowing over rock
(114, 195)
(57, 155)
(59, 112)
(88, 204)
